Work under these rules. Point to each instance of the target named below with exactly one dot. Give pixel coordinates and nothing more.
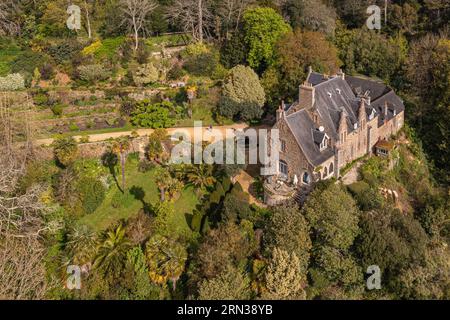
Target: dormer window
(329, 94)
(338, 91)
(355, 125)
(372, 114)
(324, 144)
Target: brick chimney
(280, 111)
(342, 127)
(385, 112)
(362, 113)
(306, 97)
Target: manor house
(336, 120)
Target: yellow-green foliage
(92, 48)
(108, 48)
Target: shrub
(242, 95)
(158, 115)
(367, 198)
(145, 165)
(93, 72)
(12, 82)
(205, 64)
(73, 127)
(57, 109)
(91, 192)
(176, 72)
(41, 99)
(47, 71)
(146, 74)
(65, 150)
(64, 51)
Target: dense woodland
(145, 229)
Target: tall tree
(294, 54)
(120, 147)
(263, 27)
(231, 284)
(288, 230)
(135, 15)
(284, 278)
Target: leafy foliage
(263, 27)
(242, 94)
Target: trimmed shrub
(91, 192)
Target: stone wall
(293, 156)
(93, 149)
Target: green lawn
(106, 214)
(8, 52)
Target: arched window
(283, 168)
(331, 168)
(325, 173)
(306, 178)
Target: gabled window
(324, 143)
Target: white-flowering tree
(12, 82)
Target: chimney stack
(280, 111)
(341, 74)
(385, 112)
(306, 97)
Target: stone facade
(336, 121)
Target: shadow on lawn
(139, 194)
(110, 160)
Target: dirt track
(144, 132)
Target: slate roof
(303, 128)
(335, 96)
(362, 85)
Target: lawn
(106, 214)
(8, 52)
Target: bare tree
(193, 16)
(230, 13)
(88, 20)
(23, 219)
(135, 15)
(22, 273)
(8, 25)
(21, 212)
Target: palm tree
(166, 259)
(162, 179)
(82, 243)
(201, 176)
(121, 146)
(111, 254)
